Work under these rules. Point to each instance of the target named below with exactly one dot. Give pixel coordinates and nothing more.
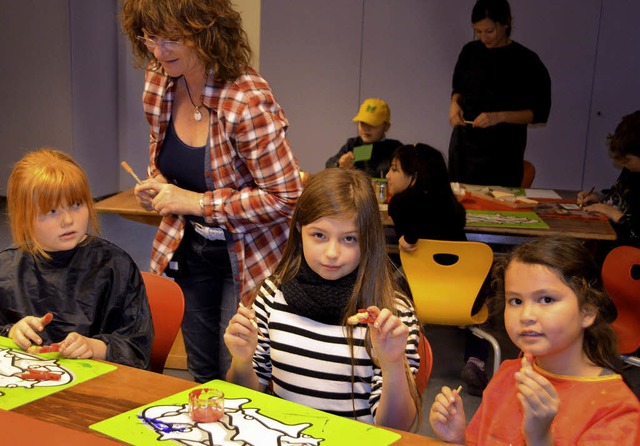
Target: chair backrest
(621, 277)
(445, 278)
(529, 173)
(166, 301)
(426, 363)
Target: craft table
(121, 390)
(586, 229)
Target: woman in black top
(499, 87)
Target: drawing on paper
(239, 426)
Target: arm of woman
(258, 176)
(456, 116)
(489, 119)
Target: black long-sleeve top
(95, 290)
(378, 165)
(422, 215)
(625, 195)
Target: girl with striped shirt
(296, 339)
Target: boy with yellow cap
(374, 120)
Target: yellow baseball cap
(373, 111)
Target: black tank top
(182, 164)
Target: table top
(124, 204)
(121, 390)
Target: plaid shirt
(254, 179)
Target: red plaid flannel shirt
(256, 178)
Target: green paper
(251, 418)
(362, 153)
(505, 219)
(15, 391)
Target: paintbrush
(581, 205)
(253, 321)
(128, 168)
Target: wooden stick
(128, 168)
(253, 321)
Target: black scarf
(322, 300)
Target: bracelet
(201, 203)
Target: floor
(447, 343)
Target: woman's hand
(144, 192)
(388, 337)
(166, 198)
(81, 347)
(540, 403)
(346, 160)
(25, 332)
(404, 246)
(456, 116)
(610, 212)
(486, 119)
(241, 335)
(447, 416)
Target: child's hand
(346, 160)
(25, 331)
(80, 347)
(388, 337)
(404, 246)
(241, 335)
(540, 403)
(447, 417)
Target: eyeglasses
(152, 42)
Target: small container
(380, 187)
(206, 405)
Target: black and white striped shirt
(310, 362)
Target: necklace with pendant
(196, 114)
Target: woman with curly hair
(221, 172)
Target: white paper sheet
(542, 193)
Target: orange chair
(621, 278)
(166, 301)
(529, 173)
(426, 363)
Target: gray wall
(67, 78)
(323, 58)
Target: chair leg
(633, 360)
(494, 343)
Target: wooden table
(123, 389)
(586, 229)
(124, 204)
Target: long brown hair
(213, 27)
(42, 180)
(348, 193)
(578, 270)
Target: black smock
(94, 289)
